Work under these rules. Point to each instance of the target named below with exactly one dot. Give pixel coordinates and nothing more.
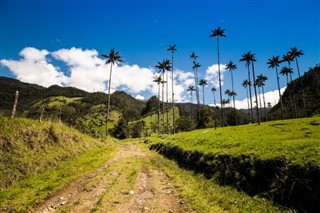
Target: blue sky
(66, 40)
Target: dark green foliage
(185, 123)
(311, 86)
(151, 107)
(206, 118)
(137, 129)
(129, 107)
(121, 129)
(233, 118)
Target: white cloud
(34, 68)
(272, 97)
(139, 97)
(212, 74)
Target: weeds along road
(130, 182)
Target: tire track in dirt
(108, 190)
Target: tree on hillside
(158, 80)
(219, 32)
(191, 89)
(246, 84)
(295, 53)
(163, 67)
(288, 58)
(274, 62)
(213, 90)
(172, 48)
(230, 67)
(112, 58)
(202, 83)
(249, 59)
(288, 71)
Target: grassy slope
(37, 159)
(279, 160)
(296, 140)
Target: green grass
(203, 195)
(37, 159)
(279, 160)
(297, 140)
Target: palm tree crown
(295, 53)
(231, 66)
(248, 58)
(274, 62)
(164, 65)
(286, 70)
(218, 32)
(113, 57)
(172, 48)
(157, 79)
(193, 56)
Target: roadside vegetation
(279, 160)
(37, 159)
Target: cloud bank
(84, 69)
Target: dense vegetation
(37, 159)
(292, 98)
(279, 160)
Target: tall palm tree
(158, 80)
(196, 80)
(287, 71)
(288, 58)
(274, 62)
(172, 49)
(262, 79)
(219, 32)
(230, 67)
(202, 83)
(258, 84)
(295, 53)
(195, 67)
(112, 58)
(191, 89)
(249, 59)
(246, 84)
(163, 67)
(249, 86)
(213, 90)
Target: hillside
(74, 107)
(292, 97)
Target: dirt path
(127, 183)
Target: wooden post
(13, 113)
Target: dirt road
(129, 182)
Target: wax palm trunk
(255, 92)
(250, 95)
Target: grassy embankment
(38, 159)
(279, 160)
